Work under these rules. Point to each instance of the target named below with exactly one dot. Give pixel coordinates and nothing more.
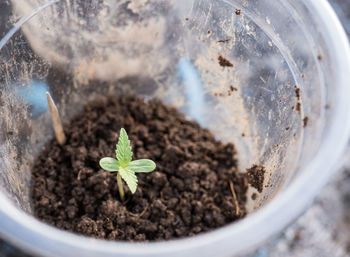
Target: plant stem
(120, 186)
(238, 210)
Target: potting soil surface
(195, 188)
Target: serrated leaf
(129, 177)
(109, 164)
(123, 152)
(142, 165)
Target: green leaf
(129, 177)
(142, 165)
(109, 164)
(123, 152)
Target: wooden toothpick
(238, 210)
(56, 120)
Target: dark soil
(298, 107)
(254, 196)
(223, 41)
(297, 92)
(305, 121)
(256, 176)
(224, 62)
(196, 186)
(232, 88)
(298, 96)
(229, 92)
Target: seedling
(124, 165)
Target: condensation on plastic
(82, 50)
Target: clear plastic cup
(80, 50)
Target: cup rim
(26, 232)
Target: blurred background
(324, 230)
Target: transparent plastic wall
(270, 101)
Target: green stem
(120, 186)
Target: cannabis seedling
(124, 166)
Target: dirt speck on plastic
(256, 177)
(224, 62)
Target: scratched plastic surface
(165, 49)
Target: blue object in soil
(35, 96)
(193, 89)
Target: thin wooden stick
(238, 210)
(56, 120)
(144, 211)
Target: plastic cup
(170, 50)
